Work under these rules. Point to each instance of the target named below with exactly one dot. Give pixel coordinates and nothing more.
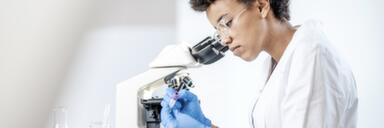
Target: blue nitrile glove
(182, 110)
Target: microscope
(138, 98)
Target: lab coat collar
(267, 74)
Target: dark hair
(280, 8)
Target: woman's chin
(247, 58)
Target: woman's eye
(229, 23)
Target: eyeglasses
(225, 23)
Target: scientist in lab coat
(307, 84)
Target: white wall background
(356, 29)
(37, 40)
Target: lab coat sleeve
(312, 98)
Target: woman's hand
(182, 110)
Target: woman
(307, 84)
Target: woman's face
(244, 28)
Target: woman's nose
(226, 40)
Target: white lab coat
(311, 86)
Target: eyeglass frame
(222, 29)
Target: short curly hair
(280, 8)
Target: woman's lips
(235, 50)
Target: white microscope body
(138, 98)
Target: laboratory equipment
(138, 98)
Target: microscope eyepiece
(209, 50)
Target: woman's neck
(281, 34)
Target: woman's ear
(264, 7)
